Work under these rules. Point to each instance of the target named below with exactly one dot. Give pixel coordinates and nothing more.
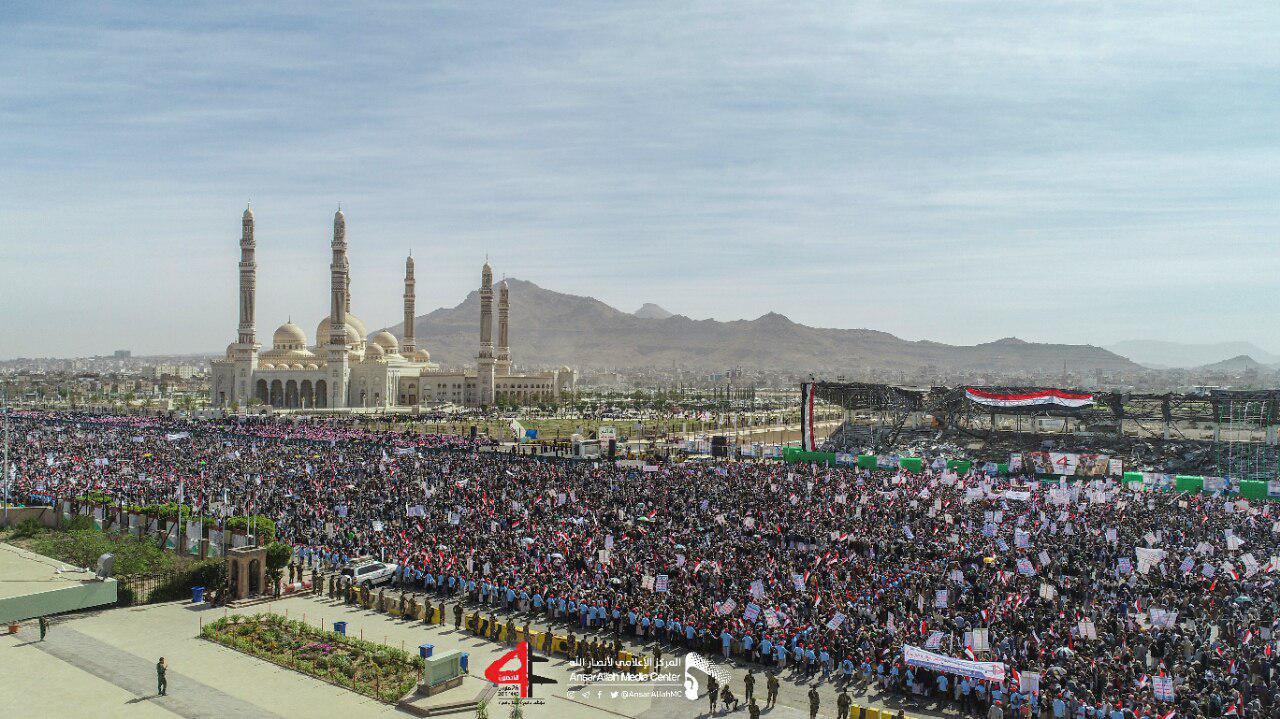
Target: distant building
(345, 370)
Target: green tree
(278, 555)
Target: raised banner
(809, 442)
(917, 657)
(1068, 463)
(1062, 398)
(1162, 688)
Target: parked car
(370, 574)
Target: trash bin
(340, 627)
(462, 662)
(425, 650)
(197, 595)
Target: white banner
(917, 657)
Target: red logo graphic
(522, 674)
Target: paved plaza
(102, 664)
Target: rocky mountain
(551, 328)
(1236, 364)
(650, 311)
(1156, 353)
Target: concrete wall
(45, 515)
(56, 601)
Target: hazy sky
(959, 171)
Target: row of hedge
(260, 525)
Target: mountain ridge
(550, 328)
(1188, 355)
(650, 311)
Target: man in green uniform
(771, 687)
(843, 701)
(813, 701)
(162, 684)
(750, 681)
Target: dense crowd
(1091, 595)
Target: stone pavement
(136, 675)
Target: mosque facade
(348, 370)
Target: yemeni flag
(1059, 397)
(809, 441)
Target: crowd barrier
(547, 642)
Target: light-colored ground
(23, 572)
(103, 664)
(35, 684)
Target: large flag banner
(917, 657)
(1059, 397)
(809, 443)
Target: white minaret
(408, 346)
(339, 285)
(484, 362)
(504, 351)
(246, 353)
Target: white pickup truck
(369, 574)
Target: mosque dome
(266, 365)
(420, 355)
(355, 322)
(231, 350)
(386, 341)
(312, 365)
(289, 336)
(322, 333)
(374, 351)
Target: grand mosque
(346, 369)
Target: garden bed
(372, 669)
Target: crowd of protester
(825, 572)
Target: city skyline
(958, 173)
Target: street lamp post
(7, 479)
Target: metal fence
(135, 589)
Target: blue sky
(958, 171)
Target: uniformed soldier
(713, 692)
(813, 701)
(753, 709)
(750, 682)
(44, 627)
(457, 616)
(162, 683)
(771, 687)
(843, 701)
(728, 699)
